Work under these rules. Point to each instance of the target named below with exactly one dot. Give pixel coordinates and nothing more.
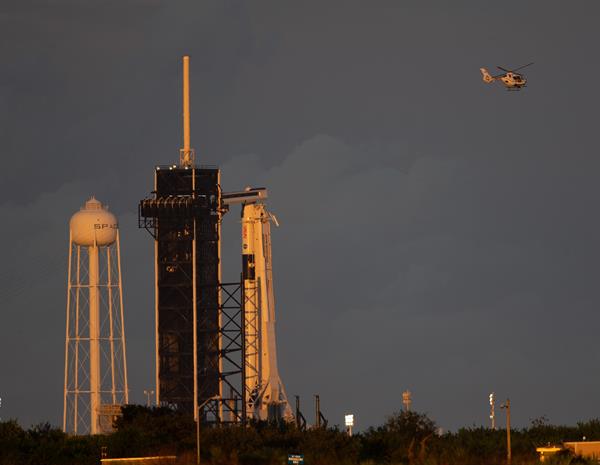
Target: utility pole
(493, 410)
(317, 411)
(506, 405)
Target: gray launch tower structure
(184, 219)
(215, 341)
(192, 342)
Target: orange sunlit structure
(95, 355)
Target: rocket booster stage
(265, 395)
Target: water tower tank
(93, 225)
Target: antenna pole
(317, 411)
(186, 155)
(186, 103)
(506, 406)
(508, 448)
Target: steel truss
(193, 308)
(183, 216)
(79, 414)
(230, 407)
(252, 385)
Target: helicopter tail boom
(487, 77)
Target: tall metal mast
(186, 154)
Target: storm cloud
(437, 234)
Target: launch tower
(184, 217)
(215, 342)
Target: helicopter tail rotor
(487, 77)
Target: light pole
(493, 410)
(506, 405)
(349, 420)
(148, 393)
(407, 400)
(200, 407)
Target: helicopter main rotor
(514, 70)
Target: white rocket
(265, 394)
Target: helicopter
(510, 78)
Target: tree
(403, 438)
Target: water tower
(95, 356)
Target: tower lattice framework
(95, 383)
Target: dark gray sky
(437, 234)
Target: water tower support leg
(94, 340)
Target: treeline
(405, 438)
